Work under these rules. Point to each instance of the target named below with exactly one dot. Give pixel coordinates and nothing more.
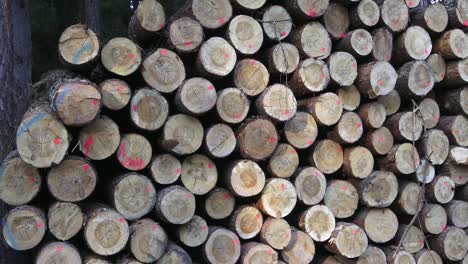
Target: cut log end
(373, 115)
(278, 198)
(257, 139)
(283, 162)
(455, 128)
(58, 252)
(347, 240)
(194, 233)
(311, 76)
(276, 233)
(115, 94)
(251, 77)
(357, 42)
(99, 139)
(380, 225)
(301, 130)
(175, 254)
(395, 15)
(451, 45)
(78, 45)
(148, 240)
(434, 146)
(348, 130)
(134, 152)
(232, 105)
(441, 190)
(382, 46)
(199, 174)
(452, 244)
(379, 141)
(318, 221)
(437, 64)
(65, 220)
(367, 14)
(196, 96)
(219, 203)
(457, 213)
(163, 70)
(433, 219)
(375, 79)
(245, 34)
(327, 156)
(313, 40)
(277, 102)
(277, 23)
(358, 162)
(149, 109)
(222, 246)
(343, 68)
(301, 248)
(121, 56)
(175, 205)
(380, 189)
(336, 20)
(212, 15)
(182, 134)
(253, 252)
(408, 198)
(310, 185)
(325, 108)
(217, 57)
(247, 221)
(220, 140)
(283, 58)
(186, 34)
(350, 97)
(430, 112)
(413, 242)
(342, 198)
(245, 178)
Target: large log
(196, 96)
(301, 248)
(457, 213)
(199, 174)
(402, 159)
(347, 240)
(301, 130)
(379, 141)
(134, 152)
(382, 47)
(257, 139)
(194, 233)
(277, 22)
(325, 108)
(245, 178)
(216, 57)
(212, 14)
(65, 220)
(185, 35)
(313, 40)
(405, 126)
(277, 102)
(413, 241)
(278, 198)
(434, 146)
(408, 198)
(115, 94)
(148, 240)
(343, 68)
(413, 44)
(310, 185)
(366, 14)
(455, 128)
(457, 12)
(430, 112)
(451, 45)
(379, 189)
(348, 130)
(99, 139)
(182, 134)
(232, 105)
(317, 221)
(148, 19)
(311, 76)
(372, 114)
(456, 73)
(433, 219)
(121, 56)
(251, 76)
(336, 20)
(358, 162)
(276, 233)
(149, 109)
(253, 252)
(219, 203)
(283, 58)
(437, 63)
(395, 15)
(245, 34)
(342, 198)
(391, 102)
(357, 42)
(327, 156)
(376, 78)
(380, 225)
(350, 97)
(284, 161)
(452, 244)
(220, 140)
(58, 252)
(415, 79)
(175, 205)
(222, 246)
(433, 18)
(78, 47)
(246, 221)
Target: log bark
(376, 78)
(121, 56)
(246, 221)
(276, 233)
(232, 105)
(220, 140)
(357, 42)
(454, 101)
(175, 254)
(343, 68)
(186, 35)
(405, 126)
(317, 221)
(99, 139)
(245, 34)
(134, 152)
(301, 130)
(415, 79)
(148, 19)
(308, 10)
(58, 251)
(115, 94)
(79, 47)
(175, 205)
(434, 146)
(342, 198)
(310, 185)
(212, 15)
(451, 45)
(219, 203)
(199, 174)
(257, 139)
(222, 246)
(65, 220)
(327, 156)
(194, 233)
(452, 244)
(347, 240)
(325, 108)
(245, 178)
(278, 198)
(413, 44)
(284, 161)
(182, 134)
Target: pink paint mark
(426, 84)
(323, 50)
(427, 21)
(442, 75)
(436, 146)
(121, 220)
(203, 228)
(88, 143)
(465, 23)
(353, 65)
(187, 44)
(426, 51)
(250, 46)
(221, 21)
(356, 232)
(446, 183)
(155, 227)
(178, 170)
(381, 139)
(359, 125)
(363, 151)
(298, 237)
(388, 57)
(340, 149)
(373, 22)
(420, 242)
(436, 118)
(380, 82)
(188, 196)
(443, 227)
(286, 236)
(225, 196)
(135, 108)
(148, 189)
(283, 33)
(252, 62)
(258, 216)
(270, 251)
(283, 187)
(211, 87)
(312, 13)
(455, 131)
(94, 102)
(366, 47)
(227, 55)
(286, 113)
(410, 4)
(161, 25)
(323, 75)
(132, 56)
(238, 116)
(57, 141)
(40, 224)
(342, 34)
(121, 88)
(316, 174)
(210, 166)
(345, 188)
(459, 177)
(86, 167)
(163, 52)
(58, 249)
(272, 139)
(338, 102)
(31, 179)
(310, 142)
(235, 241)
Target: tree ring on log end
(149, 109)
(78, 45)
(163, 70)
(121, 56)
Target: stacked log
(251, 132)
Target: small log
(380, 225)
(58, 252)
(78, 47)
(379, 189)
(99, 139)
(348, 130)
(327, 156)
(304, 9)
(278, 198)
(441, 190)
(415, 80)
(148, 240)
(245, 178)
(220, 140)
(248, 5)
(165, 169)
(257, 139)
(358, 162)
(222, 246)
(301, 248)
(425, 172)
(256, 253)
(216, 57)
(115, 94)
(325, 108)
(73, 180)
(433, 219)
(219, 203)
(379, 141)
(452, 244)
(457, 213)
(196, 96)
(407, 201)
(284, 161)
(194, 233)
(148, 19)
(433, 18)
(149, 109)
(413, 241)
(336, 20)
(121, 56)
(24, 227)
(458, 155)
(277, 102)
(317, 221)
(276, 233)
(311, 76)
(434, 146)
(106, 232)
(310, 185)
(400, 257)
(251, 77)
(451, 45)
(343, 68)
(163, 70)
(342, 198)
(395, 15)
(429, 110)
(19, 182)
(246, 221)
(199, 174)
(413, 44)
(402, 159)
(232, 105)
(372, 255)
(437, 64)
(301, 130)
(373, 114)
(366, 14)
(428, 256)
(456, 73)
(185, 35)
(65, 220)
(357, 42)
(175, 205)
(405, 126)
(276, 22)
(212, 15)
(457, 13)
(134, 152)
(376, 78)
(182, 134)
(245, 34)
(312, 40)
(350, 97)
(174, 254)
(347, 240)
(455, 128)
(41, 139)
(283, 58)
(391, 102)
(382, 45)
(133, 195)
(454, 101)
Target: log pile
(251, 132)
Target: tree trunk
(93, 16)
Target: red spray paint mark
(365, 47)
(132, 56)
(31, 179)
(380, 82)
(252, 62)
(286, 112)
(272, 139)
(283, 33)
(442, 75)
(286, 236)
(342, 34)
(258, 216)
(121, 88)
(353, 65)
(436, 118)
(381, 139)
(459, 177)
(188, 196)
(225, 196)
(163, 52)
(426, 51)
(210, 166)
(363, 151)
(420, 242)
(427, 21)
(388, 57)
(345, 188)
(211, 87)
(465, 23)
(410, 4)
(359, 125)
(88, 143)
(59, 249)
(356, 232)
(283, 187)
(455, 131)
(323, 76)
(338, 102)
(227, 55)
(94, 102)
(340, 149)
(121, 220)
(148, 189)
(323, 50)
(373, 22)
(436, 146)
(443, 227)
(238, 116)
(135, 108)
(250, 46)
(316, 174)
(312, 13)
(310, 142)
(178, 170)
(135, 163)
(161, 25)
(221, 21)
(57, 141)
(155, 227)
(203, 228)
(426, 84)
(187, 44)
(446, 183)
(86, 167)
(40, 224)
(235, 241)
